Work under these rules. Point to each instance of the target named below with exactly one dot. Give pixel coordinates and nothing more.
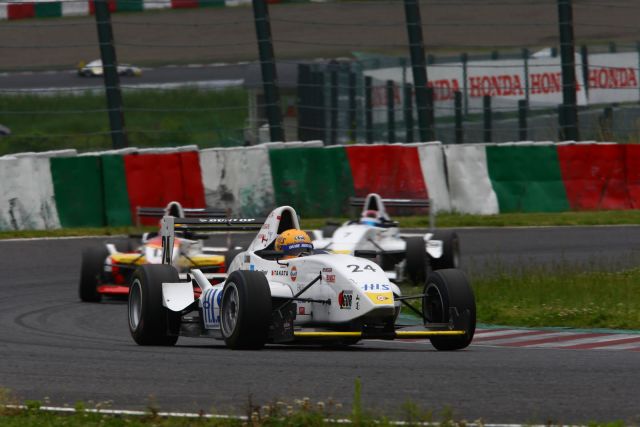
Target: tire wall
(389, 170)
(315, 181)
(434, 175)
(155, 179)
(238, 179)
(27, 199)
(527, 178)
(596, 177)
(470, 188)
(49, 190)
(78, 186)
(116, 198)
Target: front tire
(245, 312)
(150, 323)
(91, 270)
(450, 250)
(416, 260)
(447, 289)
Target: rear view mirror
(365, 253)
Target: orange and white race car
(107, 269)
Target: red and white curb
(569, 340)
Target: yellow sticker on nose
(379, 298)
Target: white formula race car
(267, 298)
(400, 255)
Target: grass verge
(562, 296)
(154, 118)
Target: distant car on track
(282, 293)
(401, 255)
(107, 269)
(94, 69)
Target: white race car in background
(267, 298)
(375, 235)
(94, 69)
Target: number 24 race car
(268, 297)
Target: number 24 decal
(358, 268)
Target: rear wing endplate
(169, 225)
(401, 203)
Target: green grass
(153, 118)
(300, 413)
(557, 296)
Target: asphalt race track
(55, 348)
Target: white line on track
(120, 412)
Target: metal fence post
(268, 68)
(569, 100)
(486, 108)
(391, 113)
(457, 102)
(418, 66)
(333, 116)
(408, 112)
(368, 109)
(110, 73)
(523, 106)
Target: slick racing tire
(447, 289)
(245, 312)
(450, 250)
(150, 323)
(92, 267)
(328, 230)
(416, 260)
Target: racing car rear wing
(401, 203)
(150, 212)
(169, 225)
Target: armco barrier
(315, 181)
(156, 179)
(77, 182)
(526, 178)
(389, 170)
(470, 188)
(595, 176)
(26, 194)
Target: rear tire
(93, 260)
(416, 260)
(446, 289)
(150, 323)
(450, 250)
(229, 257)
(245, 312)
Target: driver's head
(369, 217)
(294, 243)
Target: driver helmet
(369, 217)
(294, 243)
